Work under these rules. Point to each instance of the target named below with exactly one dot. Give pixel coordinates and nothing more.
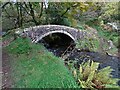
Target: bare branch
(32, 14)
(41, 9)
(3, 6)
(74, 5)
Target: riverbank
(32, 66)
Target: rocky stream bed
(83, 56)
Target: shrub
(89, 76)
(88, 44)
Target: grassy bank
(34, 67)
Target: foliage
(38, 68)
(33, 62)
(25, 14)
(90, 77)
(102, 13)
(108, 35)
(88, 44)
(67, 10)
(110, 12)
(98, 40)
(20, 13)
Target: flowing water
(66, 47)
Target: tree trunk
(32, 14)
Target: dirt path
(6, 68)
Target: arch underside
(52, 32)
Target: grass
(108, 35)
(34, 67)
(114, 36)
(88, 43)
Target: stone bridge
(38, 32)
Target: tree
(27, 14)
(110, 11)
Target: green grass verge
(34, 67)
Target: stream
(66, 48)
(83, 56)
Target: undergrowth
(109, 35)
(88, 76)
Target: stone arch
(52, 32)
